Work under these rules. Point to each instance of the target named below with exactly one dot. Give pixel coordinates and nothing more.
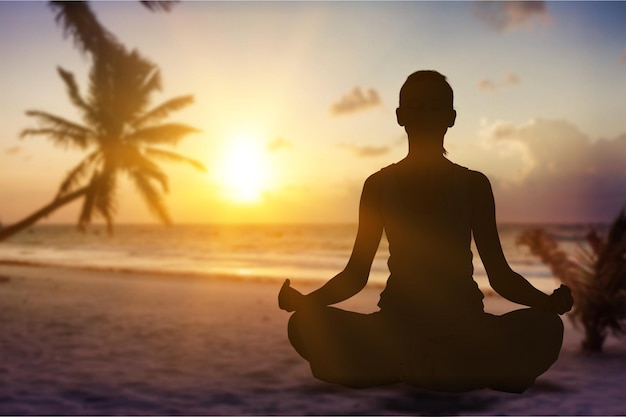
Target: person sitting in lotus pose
(431, 330)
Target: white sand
(89, 342)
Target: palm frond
(151, 170)
(80, 23)
(617, 233)
(139, 78)
(595, 242)
(571, 274)
(163, 110)
(59, 130)
(546, 248)
(155, 5)
(597, 279)
(151, 196)
(174, 157)
(73, 91)
(613, 260)
(74, 177)
(58, 138)
(168, 133)
(150, 83)
(133, 161)
(119, 88)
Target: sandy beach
(84, 342)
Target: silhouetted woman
(431, 330)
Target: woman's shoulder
(390, 171)
(475, 177)
(387, 169)
(479, 186)
(380, 175)
(379, 180)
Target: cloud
(486, 85)
(356, 100)
(13, 150)
(509, 79)
(366, 151)
(511, 15)
(622, 58)
(564, 175)
(278, 144)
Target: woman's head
(427, 85)
(426, 105)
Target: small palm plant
(121, 135)
(596, 276)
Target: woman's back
(429, 242)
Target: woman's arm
(356, 273)
(502, 278)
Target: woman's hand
(290, 299)
(561, 301)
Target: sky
(295, 103)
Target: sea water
(295, 251)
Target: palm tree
(79, 22)
(597, 278)
(120, 135)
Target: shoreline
(166, 275)
(171, 275)
(299, 252)
(79, 342)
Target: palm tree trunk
(9, 231)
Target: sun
(243, 168)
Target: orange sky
(295, 103)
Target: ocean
(295, 251)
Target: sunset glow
(243, 169)
(295, 102)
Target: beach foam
(298, 251)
